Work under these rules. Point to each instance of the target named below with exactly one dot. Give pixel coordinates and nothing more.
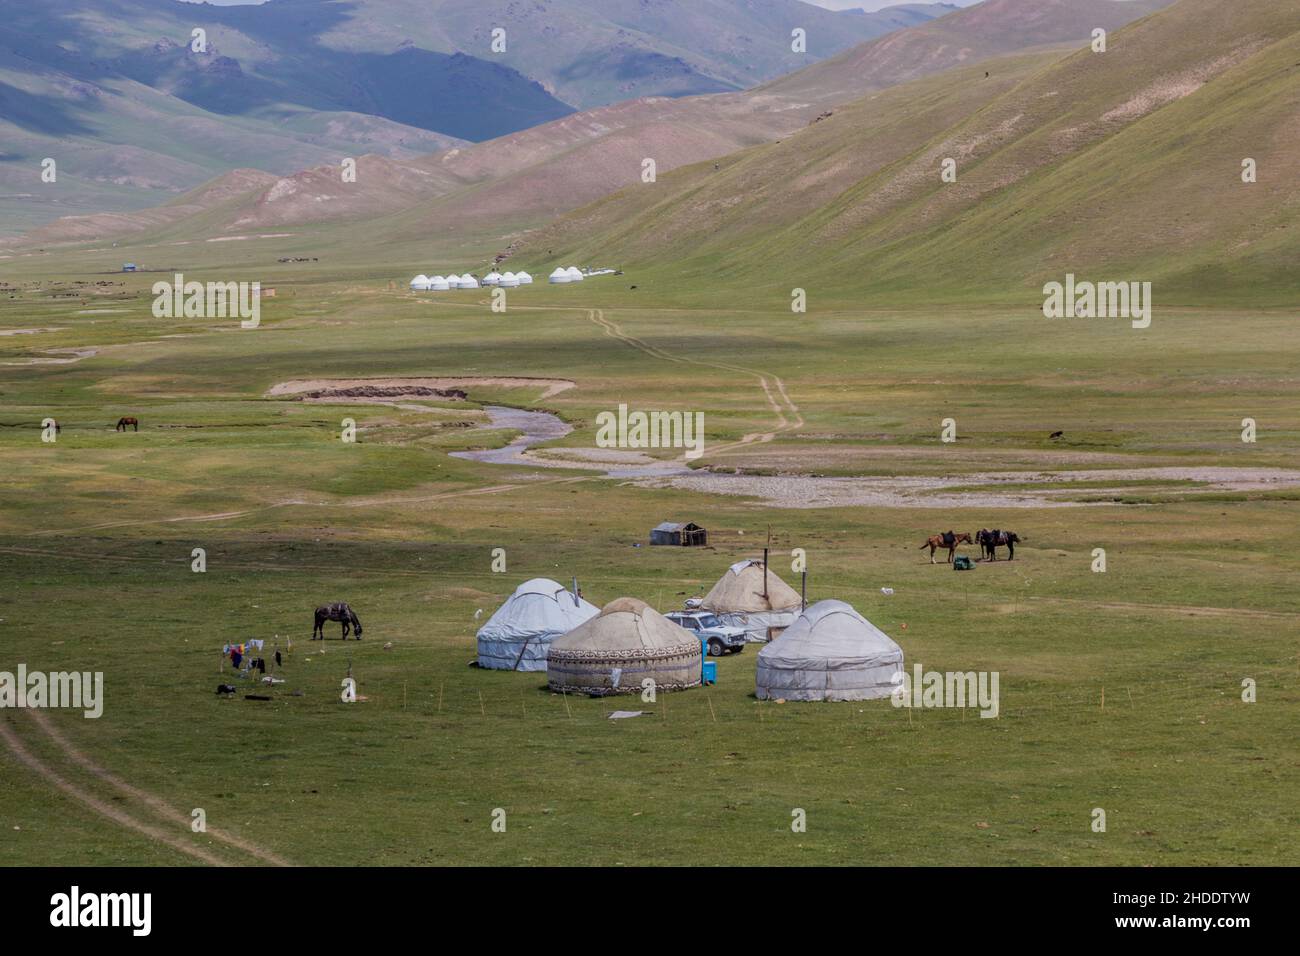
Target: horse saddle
(949, 539)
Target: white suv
(720, 638)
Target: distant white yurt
(467, 281)
(830, 652)
(509, 280)
(439, 284)
(492, 278)
(761, 603)
(575, 274)
(524, 278)
(452, 280)
(517, 635)
(420, 283)
(559, 276)
(613, 652)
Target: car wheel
(715, 647)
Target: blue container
(710, 672)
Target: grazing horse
(124, 423)
(990, 541)
(948, 540)
(338, 611)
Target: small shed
(686, 535)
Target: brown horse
(948, 539)
(338, 611)
(124, 423)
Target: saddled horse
(124, 423)
(990, 541)
(949, 540)
(338, 611)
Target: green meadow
(1119, 690)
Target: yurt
(830, 652)
(439, 284)
(516, 636)
(759, 602)
(467, 281)
(559, 276)
(509, 280)
(575, 274)
(524, 278)
(492, 278)
(420, 283)
(452, 280)
(627, 642)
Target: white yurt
(830, 652)
(750, 596)
(420, 283)
(492, 278)
(439, 284)
(626, 643)
(524, 278)
(509, 280)
(452, 280)
(517, 635)
(467, 281)
(575, 274)
(559, 276)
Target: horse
(990, 541)
(948, 540)
(338, 611)
(124, 423)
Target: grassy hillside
(1127, 162)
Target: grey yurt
(620, 647)
(517, 636)
(830, 652)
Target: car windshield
(708, 620)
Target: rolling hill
(1127, 163)
(503, 186)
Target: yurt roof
(741, 589)
(624, 624)
(826, 631)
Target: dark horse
(948, 539)
(990, 541)
(124, 423)
(338, 611)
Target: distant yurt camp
(524, 278)
(467, 281)
(830, 652)
(575, 274)
(509, 280)
(492, 278)
(517, 635)
(420, 283)
(616, 650)
(559, 276)
(761, 603)
(440, 284)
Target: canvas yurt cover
(620, 647)
(420, 283)
(559, 276)
(830, 652)
(737, 599)
(517, 636)
(575, 274)
(524, 278)
(467, 281)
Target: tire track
(149, 801)
(61, 783)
